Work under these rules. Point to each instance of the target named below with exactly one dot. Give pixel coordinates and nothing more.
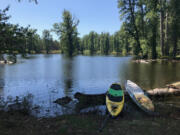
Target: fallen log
(86, 100)
(160, 92)
(171, 89)
(91, 99)
(157, 92)
(175, 85)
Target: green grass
(15, 123)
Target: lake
(48, 77)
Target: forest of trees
(150, 29)
(23, 40)
(154, 26)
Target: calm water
(48, 77)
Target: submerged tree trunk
(1, 57)
(47, 51)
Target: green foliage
(36, 1)
(47, 39)
(149, 29)
(145, 48)
(127, 9)
(141, 24)
(67, 32)
(23, 40)
(175, 24)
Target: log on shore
(86, 100)
(160, 92)
(171, 89)
(100, 98)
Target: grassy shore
(133, 122)
(16, 123)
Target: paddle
(104, 123)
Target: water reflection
(153, 75)
(68, 68)
(2, 81)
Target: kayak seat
(115, 98)
(116, 86)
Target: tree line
(92, 43)
(23, 40)
(154, 26)
(104, 44)
(150, 29)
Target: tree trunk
(175, 24)
(142, 21)
(166, 36)
(154, 32)
(162, 31)
(175, 45)
(174, 36)
(138, 46)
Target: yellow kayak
(115, 100)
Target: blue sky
(97, 15)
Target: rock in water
(63, 101)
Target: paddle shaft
(104, 123)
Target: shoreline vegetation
(11, 59)
(140, 35)
(134, 121)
